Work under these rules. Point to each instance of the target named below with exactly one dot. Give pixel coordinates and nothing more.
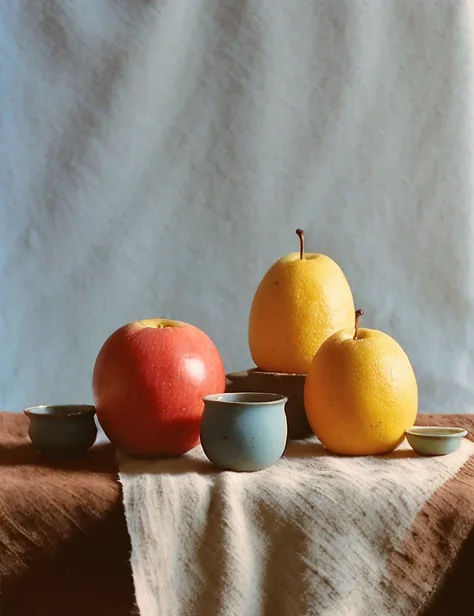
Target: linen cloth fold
(314, 535)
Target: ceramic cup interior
(257, 398)
(59, 410)
(437, 432)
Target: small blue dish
(435, 440)
(63, 429)
(244, 431)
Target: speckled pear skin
(289, 385)
(244, 431)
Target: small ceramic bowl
(62, 430)
(244, 431)
(433, 440)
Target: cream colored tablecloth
(314, 535)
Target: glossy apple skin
(148, 384)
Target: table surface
(63, 536)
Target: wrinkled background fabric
(157, 155)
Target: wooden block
(289, 385)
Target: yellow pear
(302, 300)
(361, 392)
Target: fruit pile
(360, 392)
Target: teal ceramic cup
(62, 430)
(244, 431)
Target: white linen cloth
(156, 157)
(309, 536)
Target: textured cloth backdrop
(157, 155)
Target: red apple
(148, 383)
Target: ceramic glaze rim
(247, 398)
(437, 432)
(59, 411)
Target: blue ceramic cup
(244, 431)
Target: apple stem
(358, 314)
(300, 234)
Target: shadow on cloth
(99, 459)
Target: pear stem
(300, 234)
(358, 314)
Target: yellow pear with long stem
(302, 300)
(361, 392)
